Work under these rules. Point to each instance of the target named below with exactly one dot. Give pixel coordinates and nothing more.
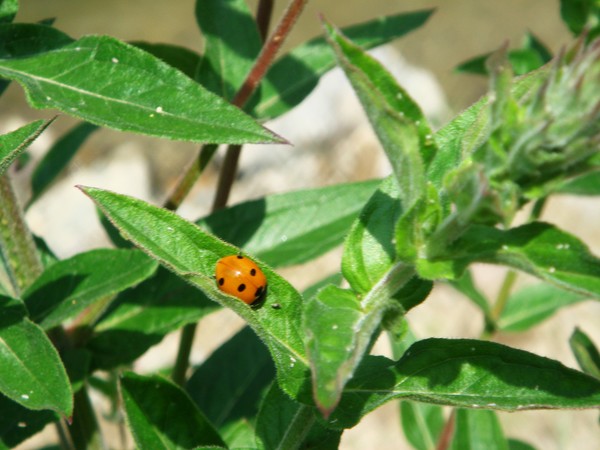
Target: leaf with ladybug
(192, 253)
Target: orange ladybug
(240, 277)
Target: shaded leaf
(14, 143)
(18, 423)
(466, 373)
(31, 372)
(477, 429)
(232, 43)
(284, 423)
(69, 286)
(293, 76)
(579, 14)
(161, 416)
(422, 424)
(57, 158)
(141, 317)
(192, 254)
(586, 353)
(533, 304)
(243, 388)
(109, 83)
(294, 227)
(588, 184)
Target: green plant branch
(229, 169)
(17, 247)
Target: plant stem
(191, 175)
(447, 431)
(503, 294)
(17, 247)
(229, 169)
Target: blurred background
(332, 143)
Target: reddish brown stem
(446, 434)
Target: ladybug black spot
(240, 257)
(241, 287)
(221, 281)
(253, 272)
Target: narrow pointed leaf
(475, 429)
(585, 352)
(244, 387)
(368, 251)
(398, 122)
(57, 158)
(31, 372)
(109, 83)
(537, 248)
(141, 317)
(533, 304)
(192, 254)
(294, 227)
(293, 76)
(422, 424)
(466, 373)
(284, 423)
(161, 415)
(232, 43)
(18, 423)
(14, 143)
(84, 279)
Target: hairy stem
(229, 169)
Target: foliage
(301, 372)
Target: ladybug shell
(240, 277)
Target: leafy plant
(301, 372)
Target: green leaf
(243, 385)
(285, 424)
(181, 58)
(340, 328)
(466, 373)
(516, 444)
(294, 227)
(533, 304)
(578, 14)
(477, 429)
(8, 10)
(57, 158)
(18, 423)
(585, 352)
(232, 43)
(530, 56)
(588, 184)
(466, 286)
(293, 76)
(31, 372)
(141, 317)
(84, 279)
(109, 83)
(161, 416)
(537, 248)
(469, 129)
(192, 254)
(369, 251)
(14, 143)
(398, 122)
(422, 424)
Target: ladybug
(240, 277)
